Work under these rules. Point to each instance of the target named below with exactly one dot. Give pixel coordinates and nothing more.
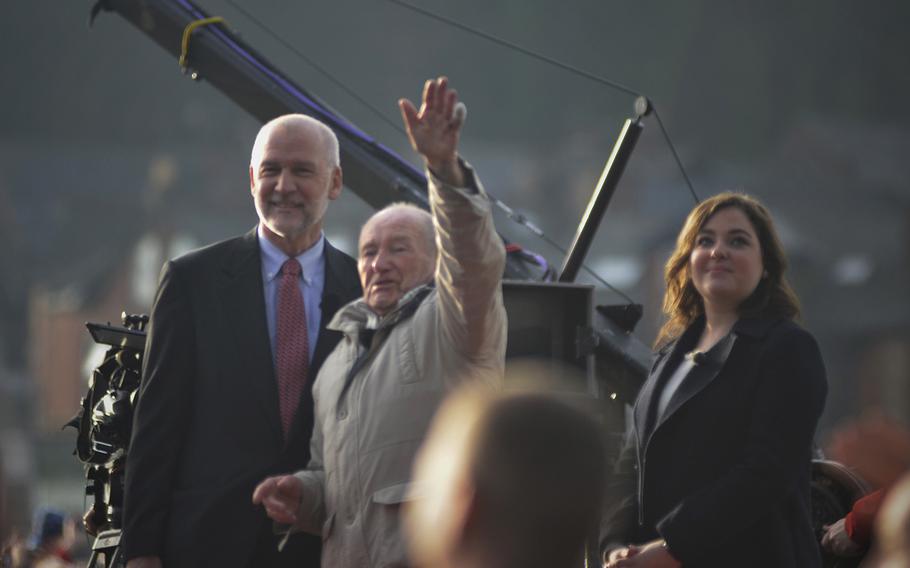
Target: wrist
(448, 171)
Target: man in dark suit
(237, 335)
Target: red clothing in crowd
(860, 520)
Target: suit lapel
(341, 286)
(244, 301)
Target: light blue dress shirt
(312, 282)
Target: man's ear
(337, 183)
(252, 181)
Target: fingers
(265, 488)
(438, 98)
(448, 98)
(439, 93)
(290, 486)
(279, 510)
(408, 114)
(284, 487)
(459, 114)
(429, 91)
(280, 496)
(439, 101)
(621, 554)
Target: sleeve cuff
(471, 185)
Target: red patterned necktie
(292, 347)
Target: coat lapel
(641, 410)
(244, 302)
(340, 288)
(699, 377)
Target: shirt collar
(273, 257)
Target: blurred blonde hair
(527, 462)
(892, 527)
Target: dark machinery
(104, 423)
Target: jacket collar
(357, 315)
(755, 327)
(701, 375)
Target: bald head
(408, 213)
(397, 253)
(297, 123)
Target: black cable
(351, 92)
(518, 48)
(556, 63)
(523, 221)
(675, 155)
(515, 217)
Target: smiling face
(726, 261)
(292, 178)
(396, 255)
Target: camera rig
(104, 425)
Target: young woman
(716, 468)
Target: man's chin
(382, 304)
(288, 231)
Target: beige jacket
(370, 423)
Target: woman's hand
(651, 555)
(618, 554)
(837, 541)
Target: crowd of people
(299, 407)
(49, 544)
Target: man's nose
(283, 183)
(380, 262)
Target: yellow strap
(188, 30)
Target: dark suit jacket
(723, 475)
(207, 426)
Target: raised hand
(434, 130)
(281, 498)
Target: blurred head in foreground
(892, 527)
(505, 479)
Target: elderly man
(429, 319)
(237, 335)
(506, 481)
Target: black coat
(724, 474)
(207, 425)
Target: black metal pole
(609, 179)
